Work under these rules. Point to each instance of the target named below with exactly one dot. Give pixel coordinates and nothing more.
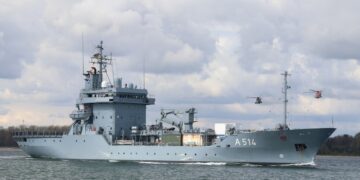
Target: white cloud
(205, 54)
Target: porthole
(123, 153)
(75, 140)
(214, 154)
(54, 140)
(131, 153)
(206, 154)
(195, 154)
(84, 140)
(118, 152)
(154, 153)
(185, 154)
(147, 153)
(175, 154)
(95, 117)
(167, 153)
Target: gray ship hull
(260, 147)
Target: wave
(14, 157)
(207, 163)
(153, 162)
(184, 163)
(251, 165)
(310, 164)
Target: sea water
(14, 164)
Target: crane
(164, 119)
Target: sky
(211, 55)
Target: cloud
(3, 111)
(20, 32)
(205, 54)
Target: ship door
(300, 147)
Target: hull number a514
(245, 142)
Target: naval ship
(109, 123)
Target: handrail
(37, 134)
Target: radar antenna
(102, 60)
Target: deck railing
(37, 134)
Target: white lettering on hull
(245, 142)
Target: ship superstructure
(109, 123)
(111, 109)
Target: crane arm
(171, 122)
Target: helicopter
(258, 99)
(317, 93)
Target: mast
(286, 87)
(144, 72)
(82, 51)
(100, 59)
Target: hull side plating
(260, 147)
